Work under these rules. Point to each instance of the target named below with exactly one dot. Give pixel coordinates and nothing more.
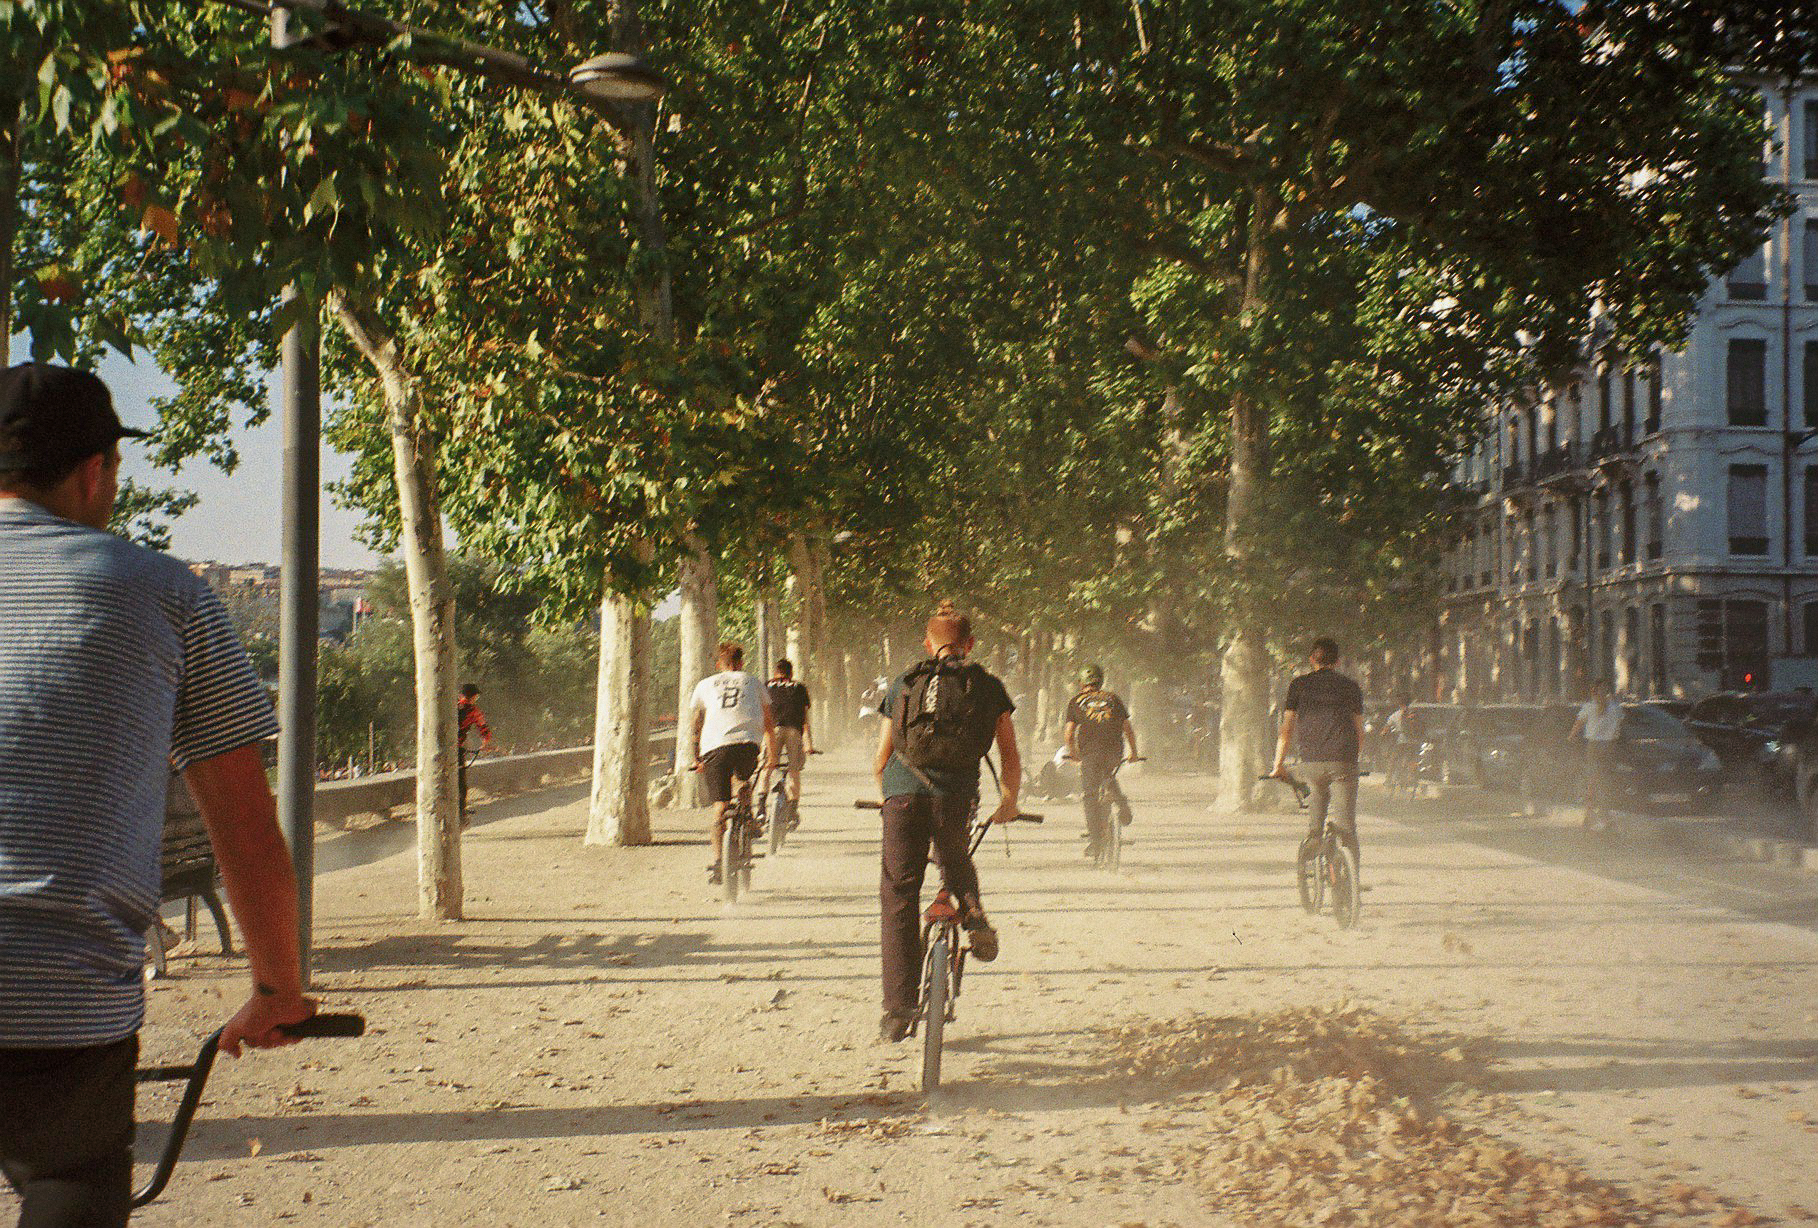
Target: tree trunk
(12, 171)
(808, 634)
(698, 632)
(1244, 668)
(618, 809)
(431, 616)
(769, 629)
(622, 706)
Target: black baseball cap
(53, 418)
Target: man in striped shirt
(116, 663)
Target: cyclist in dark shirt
(1322, 721)
(789, 709)
(1098, 726)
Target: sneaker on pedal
(984, 938)
(713, 875)
(1124, 816)
(893, 1028)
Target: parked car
(1756, 735)
(1656, 759)
(1490, 740)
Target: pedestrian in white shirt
(1599, 723)
(731, 720)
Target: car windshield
(1776, 711)
(1640, 721)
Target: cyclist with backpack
(1098, 726)
(941, 718)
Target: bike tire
(934, 1006)
(779, 820)
(1112, 847)
(747, 856)
(1341, 865)
(1310, 874)
(729, 860)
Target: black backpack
(942, 723)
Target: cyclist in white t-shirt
(731, 720)
(1600, 724)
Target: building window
(1809, 617)
(1809, 260)
(1747, 282)
(1600, 535)
(1628, 523)
(1603, 400)
(1608, 650)
(1574, 531)
(1732, 640)
(1549, 532)
(1575, 404)
(1653, 422)
(1748, 509)
(1747, 382)
(1654, 516)
(1811, 140)
(1628, 406)
(1657, 654)
(1631, 650)
(1531, 543)
(1811, 511)
(1810, 381)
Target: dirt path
(604, 1043)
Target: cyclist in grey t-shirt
(1322, 720)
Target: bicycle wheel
(1341, 868)
(934, 1005)
(747, 849)
(1310, 871)
(1111, 848)
(779, 818)
(729, 859)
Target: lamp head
(618, 76)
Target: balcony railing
(1557, 462)
(1613, 440)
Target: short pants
(723, 764)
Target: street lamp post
(601, 83)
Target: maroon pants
(912, 823)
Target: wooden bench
(189, 874)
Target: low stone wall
(337, 801)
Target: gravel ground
(1500, 1040)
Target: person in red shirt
(469, 719)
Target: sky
(237, 518)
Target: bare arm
(1010, 762)
(1283, 743)
(1068, 737)
(242, 821)
(700, 719)
(886, 746)
(1130, 738)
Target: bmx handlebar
(866, 803)
(195, 1078)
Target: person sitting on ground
(941, 718)
(1322, 719)
(1098, 726)
(789, 713)
(731, 718)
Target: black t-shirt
(1327, 704)
(788, 703)
(1098, 718)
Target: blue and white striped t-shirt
(116, 663)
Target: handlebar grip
(867, 804)
(323, 1026)
(1027, 818)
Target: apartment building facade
(1653, 518)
